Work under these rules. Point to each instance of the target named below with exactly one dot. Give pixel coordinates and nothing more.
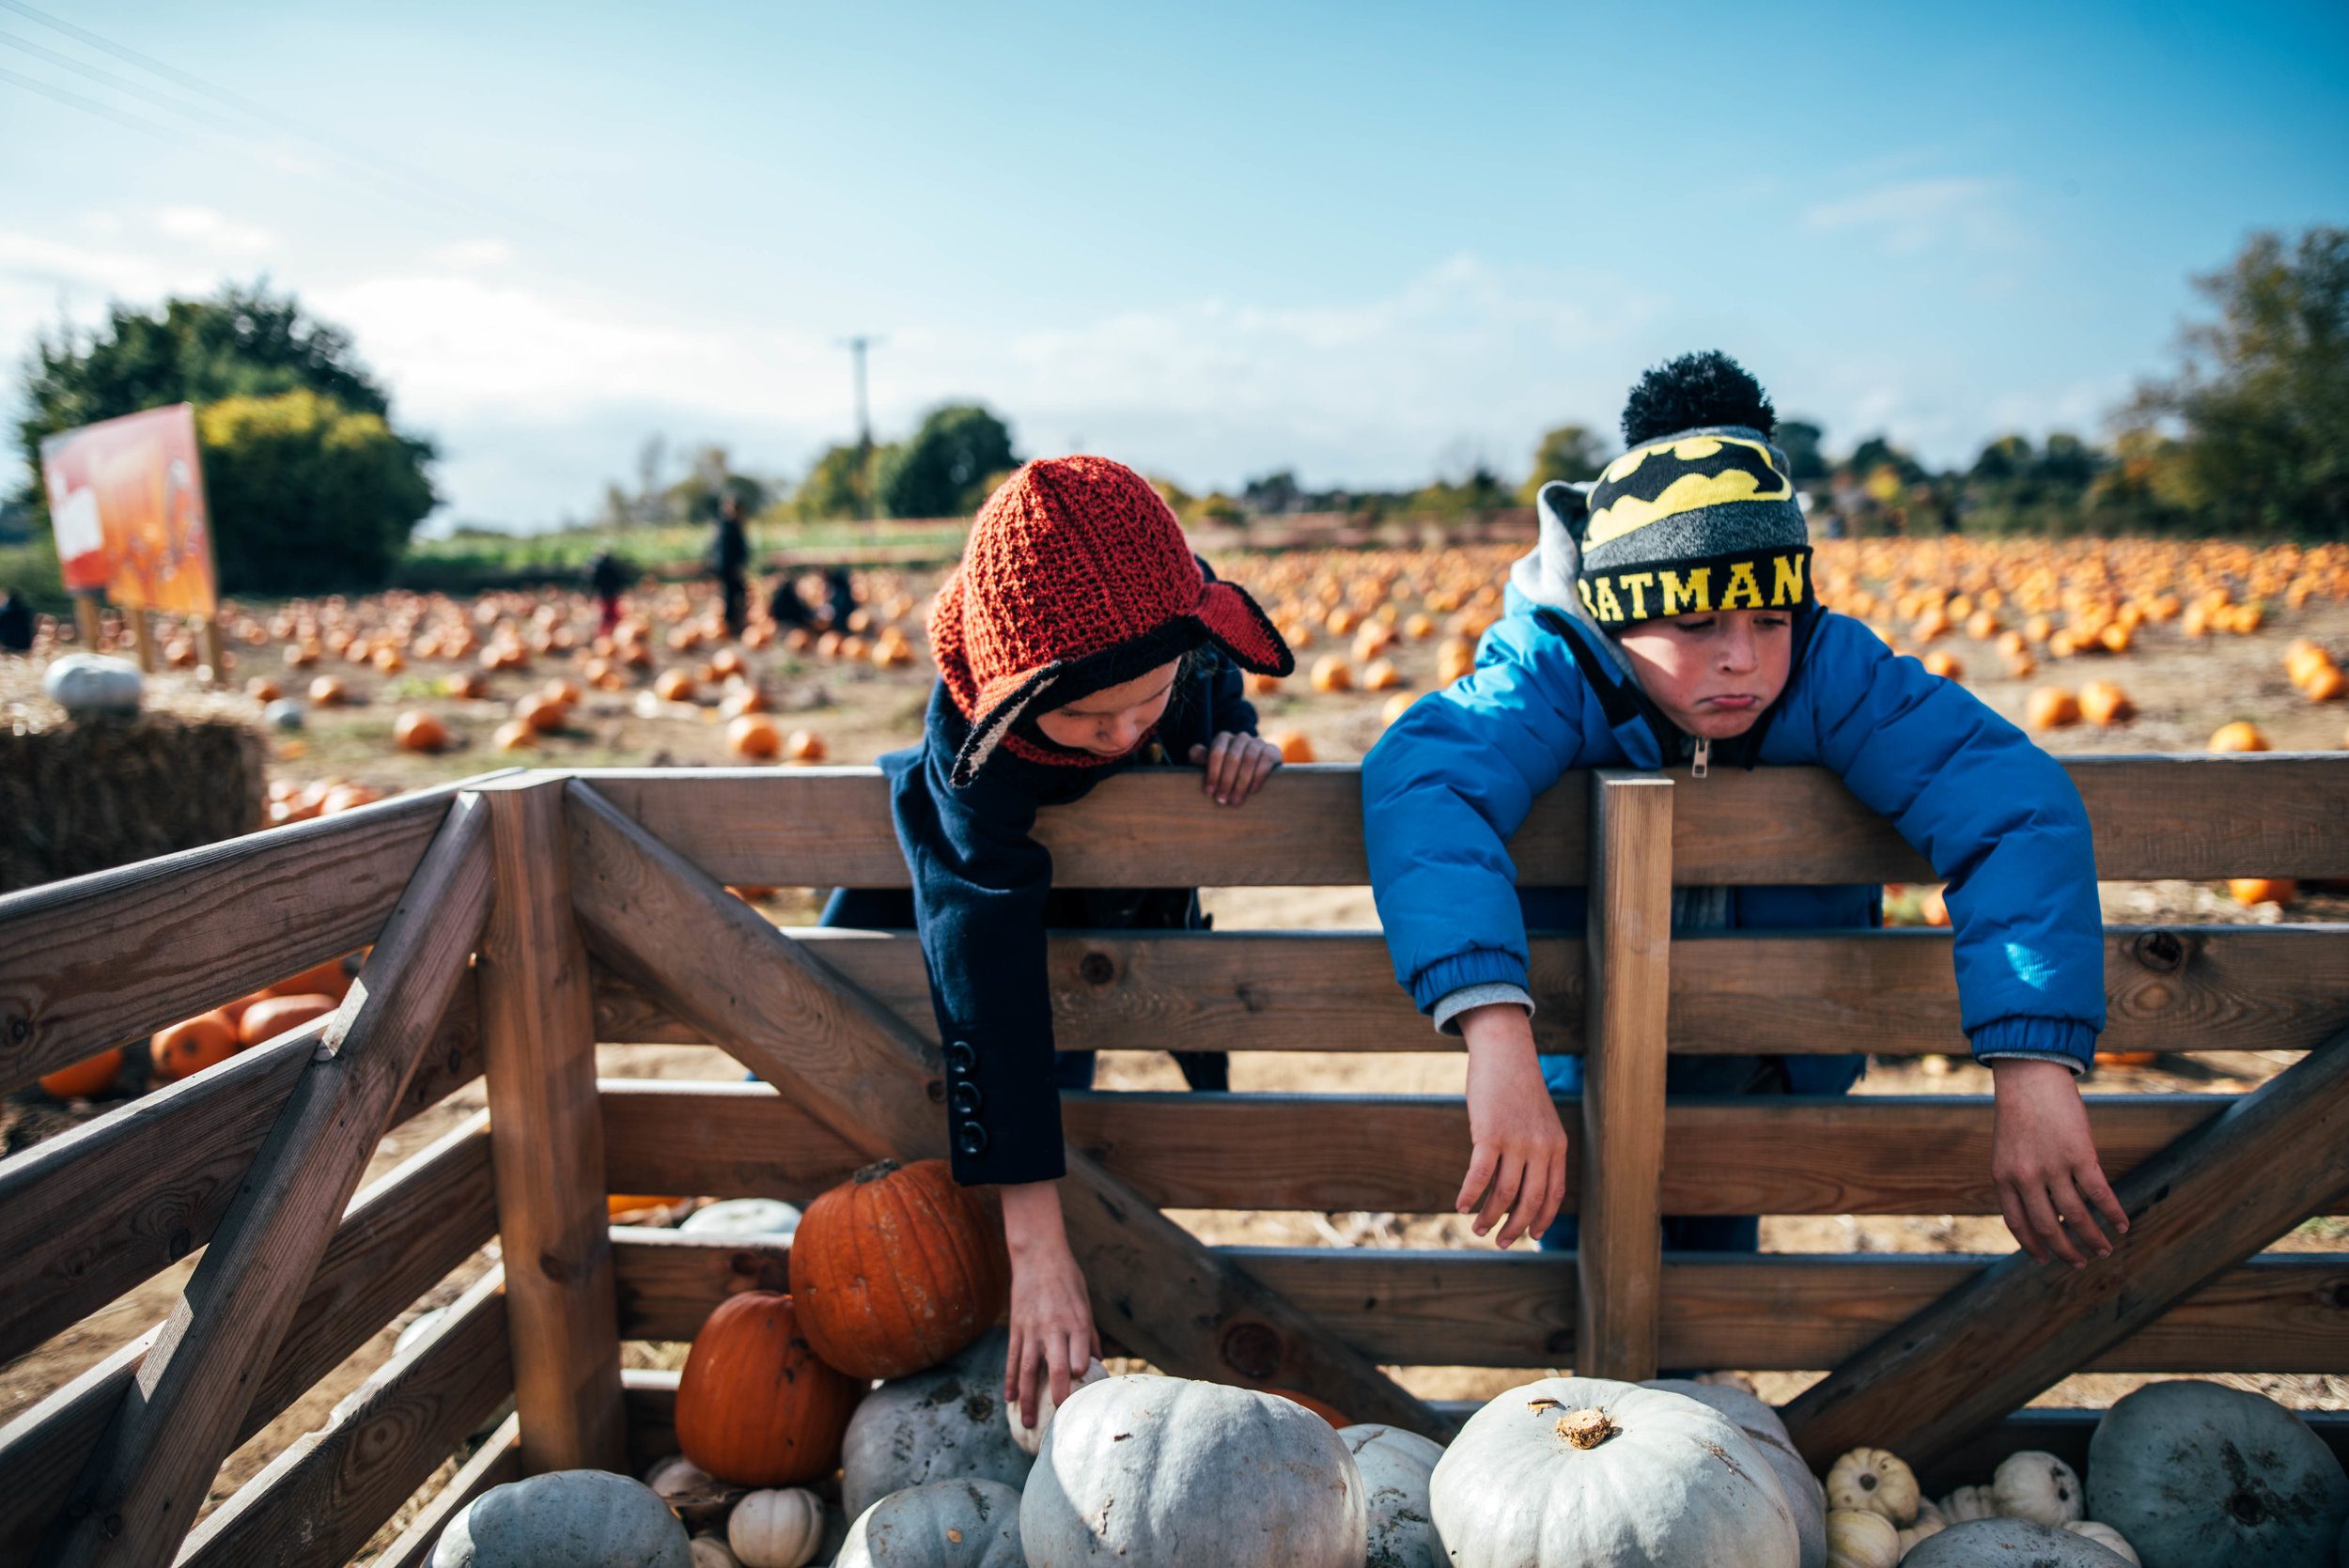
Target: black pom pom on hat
(1692, 392)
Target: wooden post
(141, 627)
(85, 624)
(1620, 1262)
(546, 1141)
(215, 652)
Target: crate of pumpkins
(859, 1421)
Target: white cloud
(211, 231)
(466, 255)
(1913, 215)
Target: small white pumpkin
(2037, 1486)
(2105, 1536)
(763, 1216)
(1758, 1420)
(1861, 1538)
(676, 1475)
(779, 1528)
(1600, 1474)
(1395, 1465)
(93, 683)
(710, 1551)
(1030, 1438)
(1874, 1480)
(1969, 1503)
(1929, 1513)
(2011, 1544)
(946, 1524)
(565, 1519)
(943, 1424)
(1919, 1531)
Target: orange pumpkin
(1294, 747)
(326, 980)
(754, 735)
(895, 1269)
(542, 713)
(618, 1203)
(85, 1079)
(192, 1045)
(2103, 703)
(2278, 890)
(2051, 707)
(419, 731)
(271, 1016)
(674, 686)
(756, 1406)
(806, 746)
(1327, 1412)
(2238, 736)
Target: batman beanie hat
(1699, 514)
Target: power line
(99, 74)
(88, 105)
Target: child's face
(1713, 675)
(1109, 722)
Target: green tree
(1799, 439)
(945, 469)
(1570, 453)
(838, 486)
(247, 345)
(2261, 406)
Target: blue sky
(1372, 242)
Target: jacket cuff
(2022, 1038)
(1480, 965)
(1453, 1003)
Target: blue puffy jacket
(1454, 776)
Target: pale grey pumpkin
(778, 1528)
(565, 1519)
(2010, 1543)
(1582, 1472)
(1161, 1472)
(2199, 1475)
(1758, 1420)
(2036, 1485)
(946, 1524)
(1394, 1466)
(1030, 1438)
(943, 1424)
(757, 1217)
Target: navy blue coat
(982, 898)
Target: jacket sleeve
(2001, 821)
(1444, 790)
(980, 881)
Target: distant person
(16, 623)
(840, 596)
(729, 554)
(607, 574)
(786, 608)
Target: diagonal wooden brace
(666, 925)
(2198, 1208)
(140, 1491)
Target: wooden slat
(1776, 1311)
(144, 1483)
(1893, 993)
(2187, 816)
(498, 1461)
(652, 915)
(546, 1127)
(322, 1499)
(671, 1281)
(650, 1397)
(401, 1236)
(93, 961)
(2065, 1433)
(91, 1213)
(1874, 1154)
(2196, 1210)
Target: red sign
(126, 496)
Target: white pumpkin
(1030, 1438)
(2010, 1543)
(943, 1424)
(1758, 1420)
(678, 1476)
(1874, 1480)
(2199, 1475)
(1582, 1472)
(2037, 1486)
(1919, 1531)
(1969, 1503)
(1859, 1538)
(1395, 1465)
(779, 1528)
(1161, 1472)
(759, 1217)
(93, 683)
(2105, 1536)
(710, 1551)
(565, 1519)
(946, 1524)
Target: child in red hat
(1078, 637)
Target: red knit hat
(1077, 578)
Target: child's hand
(1520, 1163)
(1052, 1338)
(2044, 1164)
(1237, 766)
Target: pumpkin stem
(1586, 1429)
(875, 1172)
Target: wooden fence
(516, 920)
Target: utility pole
(856, 346)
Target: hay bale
(84, 795)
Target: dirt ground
(2182, 689)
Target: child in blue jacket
(1078, 637)
(1667, 619)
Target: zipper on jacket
(1704, 757)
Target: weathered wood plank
(1621, 1151)
(321, 1499)
(91, 1213)
(401, 1236)
(2212, 1198)
(671, 1281)
(140, 1490)
(546, 1132)
(2168, 988)
(498, 1461)
(652, 915)
(2065, 1435)
(93, 961)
